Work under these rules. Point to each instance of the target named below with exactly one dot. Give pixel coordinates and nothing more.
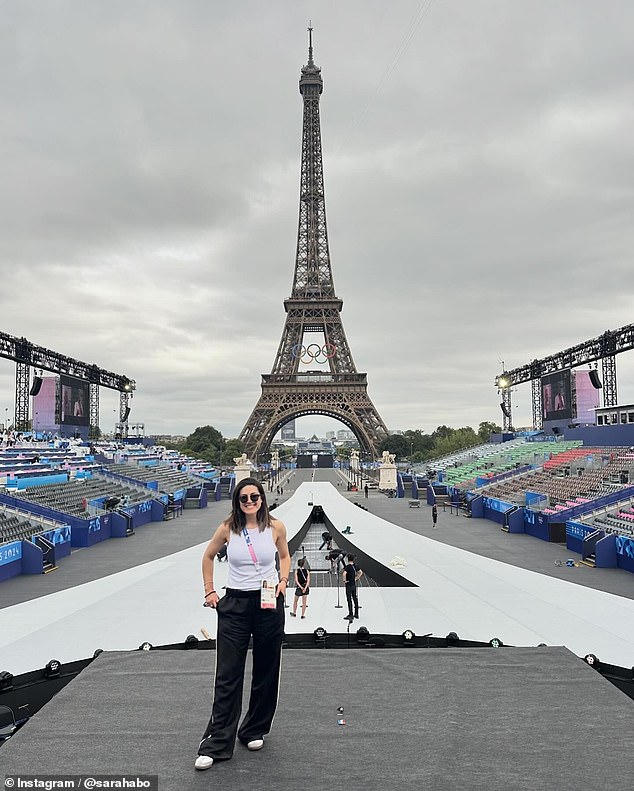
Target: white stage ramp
(476, 597)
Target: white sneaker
(255, 744)
(203, 762)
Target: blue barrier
(533, 498)
(24, 482)
(477, 507)
(575, 534)
(9, 553)
(625, 553)
(536, 524)
(516, 522)
(61, 538)
(493, 504)
(11, 569)
(158, 509)
(605, 552)
(32, 558)
(537, 529)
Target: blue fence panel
(10, 552)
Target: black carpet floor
(436, 719)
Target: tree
(396, 444)
(459, 438)
(442, 432)
(232, 450)
(486, 428)
(211, 453)
(203, 437)
(419, 442)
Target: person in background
(302, 586)
(434, 515)
(351, 575)
(251, 609)
(336, 556)
(327, 541)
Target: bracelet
(209, 594)
(284, 579)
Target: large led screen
(73, 401)
(557, 396)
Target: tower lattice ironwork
(314, 372)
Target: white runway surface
(458, 591)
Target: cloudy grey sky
(479, 176)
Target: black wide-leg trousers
(240, 617)
(353, 601)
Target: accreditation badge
(267, 594)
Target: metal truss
(22, 387)
(538, 413)
(605, 348)
(608, 367)
(27, 355)
(93, 411)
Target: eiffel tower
(313, 372)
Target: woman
(302, 586)
(253, 607)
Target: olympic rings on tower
(314, 353)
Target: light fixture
(53, 668)
(6, 681)
(495, 642)
(320, 634)
(452, 639)
(408, 637)
(363, 635)
(145, 646)
(592, 660)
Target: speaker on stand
(594, 379)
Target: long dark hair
(237, 520)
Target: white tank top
(243, 574)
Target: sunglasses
(244, 498)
